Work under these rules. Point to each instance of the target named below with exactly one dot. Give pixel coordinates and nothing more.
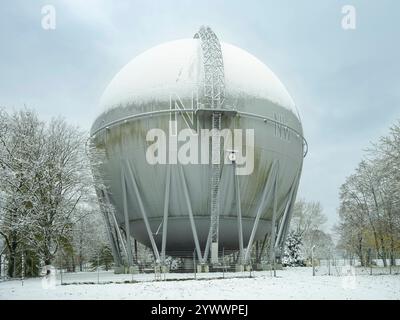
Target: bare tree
(307, 222)
(44, 175)
(307, 216)
(21, 146)
(370, 208)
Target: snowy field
(292, 283)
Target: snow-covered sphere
(139, 98)
(176, 68)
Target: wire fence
(343, 267)
(156, 273)
(186, 266)
(181, 265)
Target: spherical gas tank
(262, 146)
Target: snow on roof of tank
(175, 68)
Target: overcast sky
(345, 82)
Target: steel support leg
(284, 217)
(239, 215)
(266, 194)
(192, 224)
(263, 244)
(207, 249)
(273, 222)
(114, 248)
(290, 210)
(116, 226)
(126, 216)
(165, 220)
(143, 212)
(119, 233)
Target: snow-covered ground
(292, 283)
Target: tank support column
(285, 224)
(207, 249)
(118, 231)
(273, 222)
(111, 237)
(265, 198)
(143, 212)
(192, 223)
(283, 221)
(165, 219)
(126, 216)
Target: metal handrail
(240, 113)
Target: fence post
(22, 267)
(223, 263)
(61, 272)
(312, 260)
(250, 267)
(329, 266)
(15, 268)
(194, 265)
(370, 260)
(98, 263)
